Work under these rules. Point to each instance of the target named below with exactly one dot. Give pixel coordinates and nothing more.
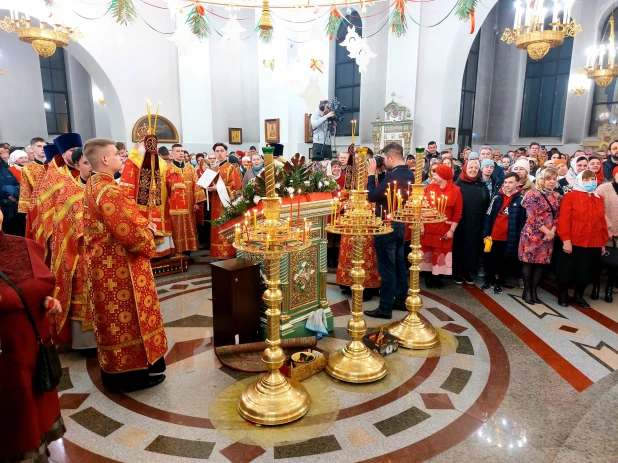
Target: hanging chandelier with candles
(601, 61)
(46, 37)
(529, 31)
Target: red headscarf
(444, 172)
(464, 174)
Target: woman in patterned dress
(536, 243)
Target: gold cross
(109, 262)
(113, 329)
(111, 284)
(111, 307)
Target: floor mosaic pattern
(510, 383)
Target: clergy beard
(141, 149)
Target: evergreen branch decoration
(266, 35)
(398, 23)
(332, 26)
(465, 10)
(294, 177)
(198, 22)
(123, 11)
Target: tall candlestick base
(412, 332)
(273, 399)
(355, 363)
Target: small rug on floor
(248, 357)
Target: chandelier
(529, 31)
(601, 62)
(45, 38)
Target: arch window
(605, 100)
(468, 94)
(55, 93)
(545, 92)
(347, 77)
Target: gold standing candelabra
(273, 399)
(412, 332)
(355, 363)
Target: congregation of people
(83, 222)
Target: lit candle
(518, 12)
(291, 205)
(298, 216)
(267, 240)
(255, 219)
(154, 130)
(445, 202)
(148, 112)
(568, 5)
(353, 129)
(528, 14)
(248, 239)
(611, 54)
(394, 196)
(237, 234)
(556, 11)
(601, 55)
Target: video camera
(339, 110)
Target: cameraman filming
(390, 248)
(322, 130)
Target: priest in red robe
(184, 201)
(147, 180)
(221, 248)
(119, 241)
(74, 326)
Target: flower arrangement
(295, 177)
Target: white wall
(80, 98)
(21, 92)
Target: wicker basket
(303, 371)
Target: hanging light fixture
(529, 31)
(601, 62)
(45, 38)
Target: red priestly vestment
(127, 319)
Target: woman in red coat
(29, 419)
(583, 231)
(437, 238)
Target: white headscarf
(15, 155)
(572, 173)
(578, 185)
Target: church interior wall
(21, 91)
(211, 90)
(80, 98)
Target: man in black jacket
(611, 162)
(390, 248)
(502, 226)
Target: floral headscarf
(464, 172)
(541, 175)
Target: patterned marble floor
(511, 383)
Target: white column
(196, 98)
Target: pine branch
(123, 11)
(266, 36)
(198, 22)
(465, 8)
(332, 26)
(398, 22)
